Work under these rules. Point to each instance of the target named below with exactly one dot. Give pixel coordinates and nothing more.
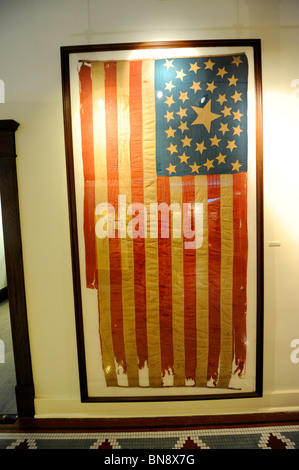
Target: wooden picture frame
(174, 351)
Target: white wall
(31, 34)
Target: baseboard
(282, 401)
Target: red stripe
(240, 268)
(165, 277)
(214, 274)
(113, 191)
(188, 196)
(86, 115)
(136, 149)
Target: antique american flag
(164, 147)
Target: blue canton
(201, 115)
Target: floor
(183, 436)
(180, 435)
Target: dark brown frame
(66, 51)
(14, 269)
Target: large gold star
(205, 116)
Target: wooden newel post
(14, 269)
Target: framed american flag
(165, 181)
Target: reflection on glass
(7, 368)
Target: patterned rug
(180, 435)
